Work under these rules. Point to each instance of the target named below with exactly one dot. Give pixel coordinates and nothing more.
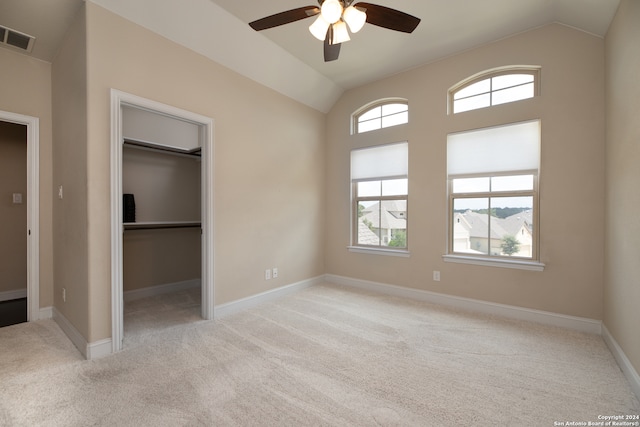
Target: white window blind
(508, 148)
(383, 161)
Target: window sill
(492, 262)
(376, 251)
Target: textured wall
(571, 109)
(70, 220)
(622, 273)
(268, 161)
(27, 91)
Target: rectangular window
(379, 179)
(493, 191)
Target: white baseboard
(548, 318)
(70, 331)
(624, 363)
(254, 300)
(160, 289)
(90, 351)
(98, 349)
(45, 313)
(14, 294)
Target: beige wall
(70, 219)
(622, 270)
(271, 207)
(13, 228)
(571, 174)
(166, 187)
(27, 91)
(269, 162)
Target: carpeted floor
(323, 356)
(144, 318)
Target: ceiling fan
(333, 18)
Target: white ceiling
(447, 26)
(289, 59)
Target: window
(493, 191)
(381, 115)
(494, 88)
(380, 195)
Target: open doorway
(19, 210)
(150, 229)
(13, 227)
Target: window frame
(487, 259)
(489, 75)
(533, 193)
(355, 117)
(381, 198)
(356, 199)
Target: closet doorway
(32, 200)
(161, 210)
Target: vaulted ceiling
(289, 59)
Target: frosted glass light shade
(331, 11)
(319, 28)
(354, 18)
(340, 33)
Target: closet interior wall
(163, 246)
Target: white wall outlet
(274, 273)
(60, 192)
(64, 295)
(436, 276)
(267, 274)
(17, 198)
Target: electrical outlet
(60, 192)
(436, 276)
(267, 274)
(64, 295)
(275, 273)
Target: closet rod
(160, 225)
(144, 144)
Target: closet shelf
(150, 225)
(195, 152)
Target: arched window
(494, 87)
(381, 114)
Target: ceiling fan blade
(389, 18)
(331, 51)
(284, 17)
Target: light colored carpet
(323, 356)
(145, 318)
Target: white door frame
(118, 99)
(33, 209)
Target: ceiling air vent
(16, 39)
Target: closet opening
(162, 211)
(20, 269)
(13, 211)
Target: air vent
(16, 39)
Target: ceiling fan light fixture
(319, 28)
(336, 18)
(340, 33)
(331, 11)
(354, 18)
